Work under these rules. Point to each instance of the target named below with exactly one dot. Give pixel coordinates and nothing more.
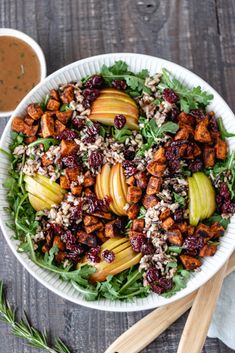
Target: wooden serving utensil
(152, 325)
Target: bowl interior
(34, 45)
(74, 72)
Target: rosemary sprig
(23, 329)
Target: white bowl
(36, 48)
(74, 72)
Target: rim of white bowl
(138, 304)
(36, 48)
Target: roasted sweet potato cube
(88, 192)
(87, 239)
(168, 223)
(53, 104)
(46, 161)
(133, 211)
(208, 250)
(89, 180)
(35, 111)
(182, 134)
(190, 230)
(141, 180)
(189, 262)
(149, 201)
(165, 214)
(138, 225)
(30, 139)
(159, 155)
(221, 149)
(28, 120)
(203, 231)
(183, 227)
(60, 257)
(64, 117)
(64, 182)
(67, 95)
(110, 230)
(217, 230)
(59, 243)
(30, 130)
(154, 185)
(72, 174)
(209, 156)
(90, 220)
(130, 180)
(47, 125)
(196, 150)
(18, 124)
(67, 148)
(186, 119)
(54, 94)
(102, 214)
(92, 228)
(156, 169)
(45, 248)
(59, 127)
(133, 234)
(100, 234)
(76, 190)
(175, 237)
(134, 194)
(202, 134)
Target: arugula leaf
(47, 142)
(179, 199)
(142, 212)
(224, 133)
(180, 281)
(189, 98)
(175, 249)
(50, 257)
(44, 102)
(65, 107)
(119, 71)
(218, 218)
(122, 134)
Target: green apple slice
(210, 195)
(38, 204)
(194, 202)
(202, 189)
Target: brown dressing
(19, 71)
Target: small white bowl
(36, 48)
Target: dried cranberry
(147, 249)
(56, 228)
(219, 200)
(170, 96)
(120, 224)
(76, 212)
(197, 114)
(165, 283)
(70, 161)
(73, 256)
(173, 115)
(95, 81)
(129, 154)
(67, 134)
(119, 121)
(95, 160)
(78, 123)
(75, 248)
(90, 95)
(195, 166)
(93, 254)
(108, 255)
(93, 129)
(152, 275)
(193, 244)
(119, 84)
(178, 215)
(89, 139)
(224, 191)
(129, 168)
(68, 237)
(137, 242)
(157, 289)
(213, 124)
(98, 205)
(228, 207)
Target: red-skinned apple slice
(114, 106)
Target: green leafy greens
(180, 280)
(223, 132)
(122, 134)
(189, 98)
(179, 199)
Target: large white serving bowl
(76, 71)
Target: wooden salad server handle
(200, 316)
(152, 325)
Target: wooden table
(197, 34)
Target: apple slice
(38, 190)
(194, 202)
(51, 185)
(123, 181)
(108, 119)
(116, 189)
(207, 194)
(125, 99)
(113, 91)
(114, 106)
(38, 204)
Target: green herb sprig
(223, 132)
(23, 328)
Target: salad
(121, 182)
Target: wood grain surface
(197, 34)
